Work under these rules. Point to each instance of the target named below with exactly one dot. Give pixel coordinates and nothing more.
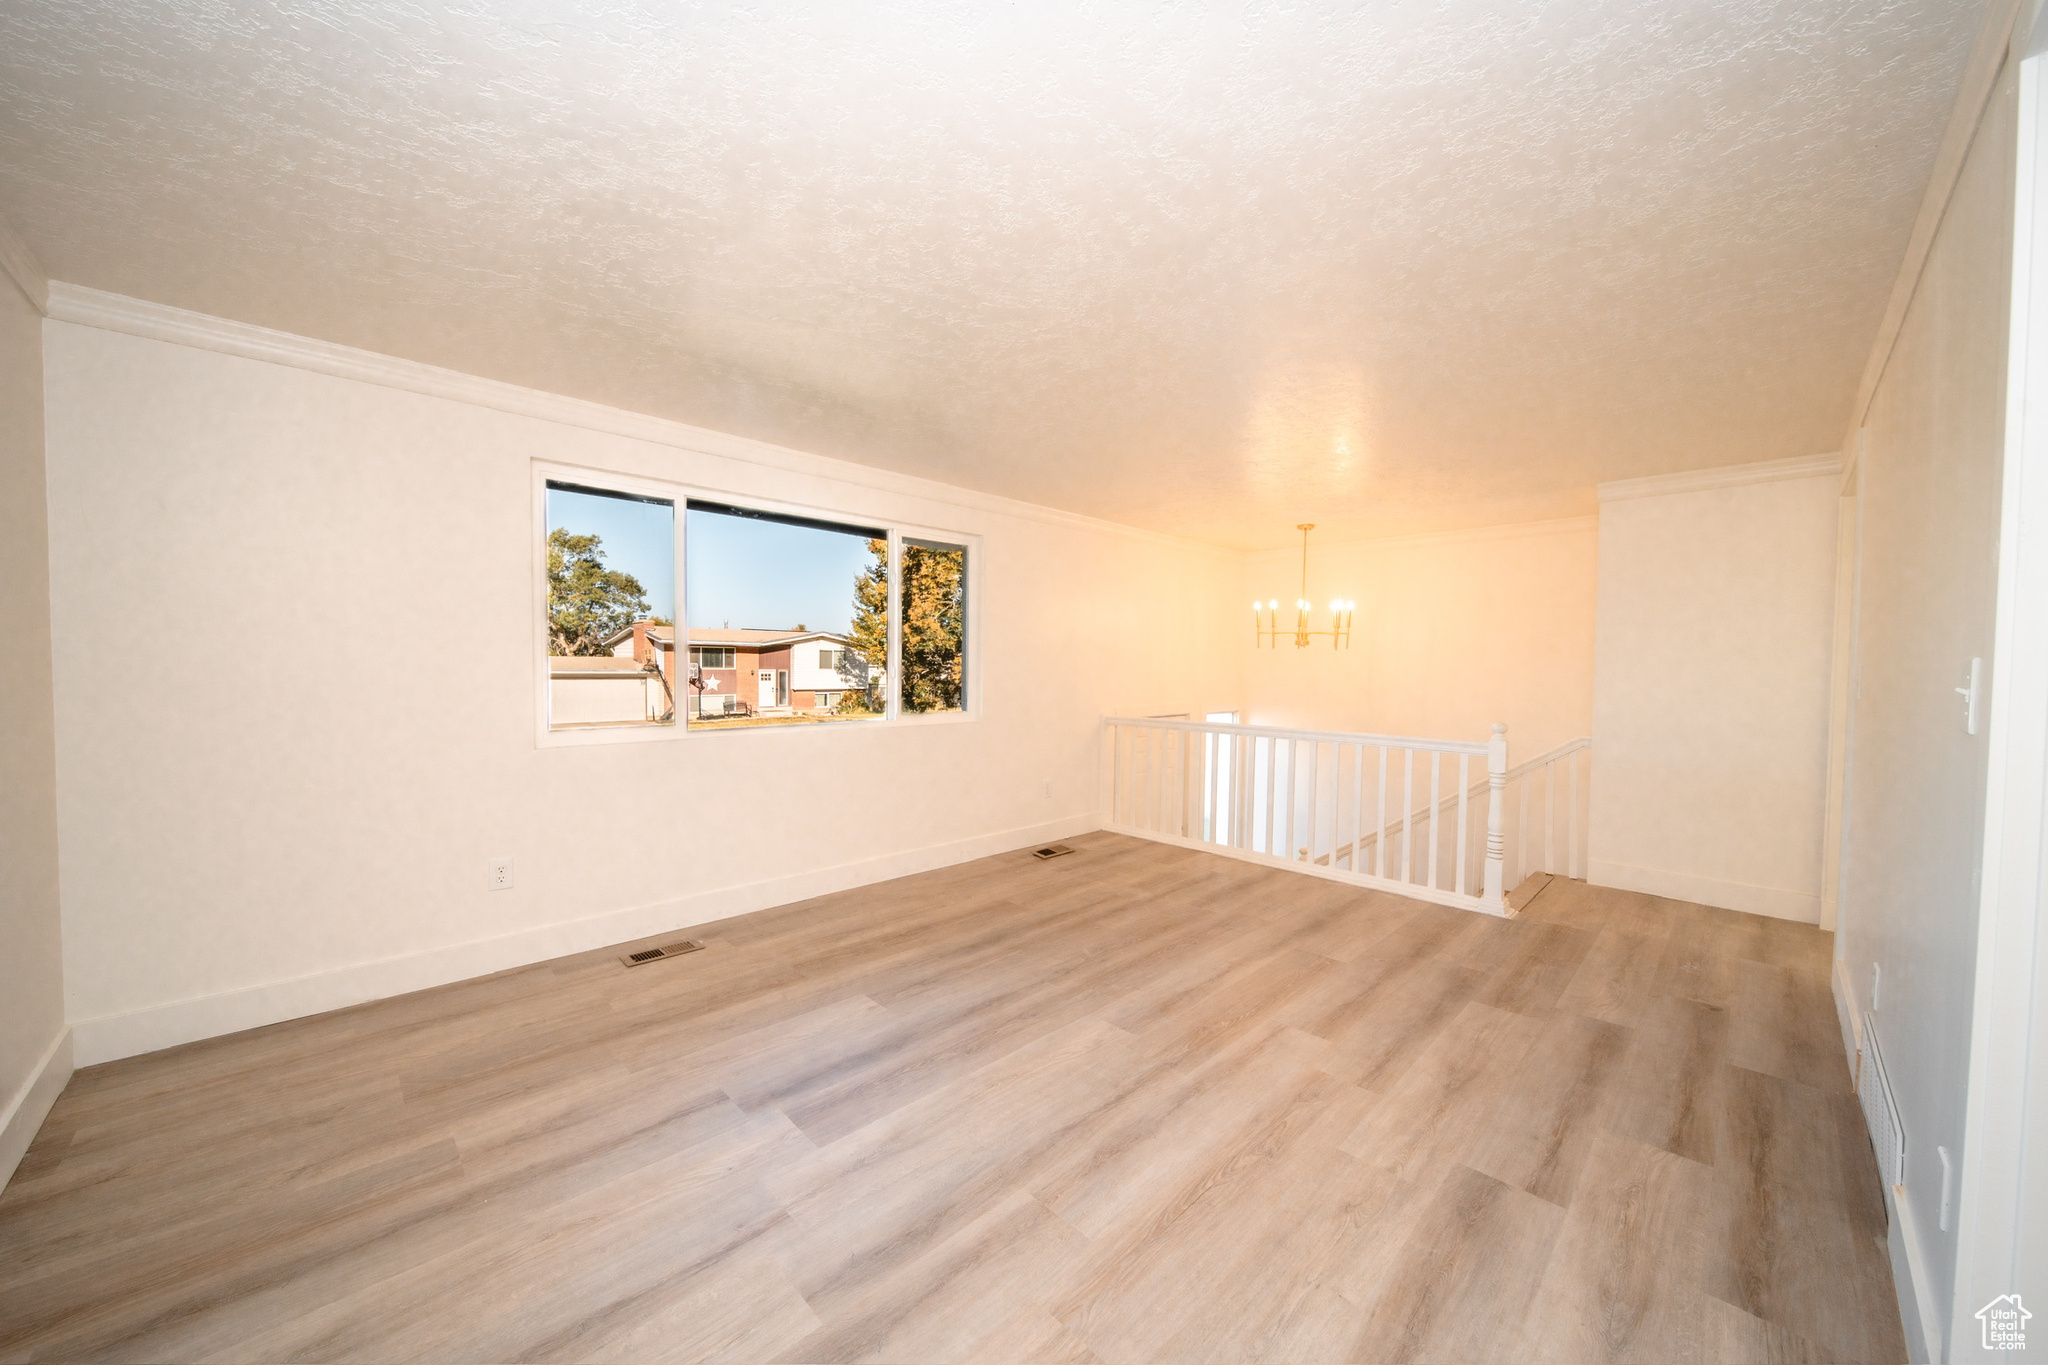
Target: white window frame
(546, 736)
(679, 496)
(970, 698)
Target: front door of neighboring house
(767, 687)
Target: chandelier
(1266, 616)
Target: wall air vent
(1880, 1110)
(1050, 851)
(646, 955)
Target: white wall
(1928, 485)
(236, 852)
(1710, 687)
(34, 1051)
(1453, 633)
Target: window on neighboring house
(711, 658)
(611, 588)
(828, 659)
(934, 612)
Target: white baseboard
(1910, 1284)
(1917, 1312)
(1803, 906)
(30, 1105)
(114, 1036)
(1849, 1016)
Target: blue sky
(747, 572)
(763, 573)
(639, 539)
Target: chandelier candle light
(1266, 616)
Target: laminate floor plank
(1779, 1025)
(1431, 1118)
(1139, 1104)
(1673, 1089)
(1614, 979)
(1542, 1130)
(1467, 1276)
(1625, 1275)
(1816, 1277)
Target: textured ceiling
(1208, 269)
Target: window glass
(786, 618)
(934, 611)
(610, 608)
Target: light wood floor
(1138, 1104)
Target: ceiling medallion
(1266, 617)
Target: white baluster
(1379, 841)
(1315, 797)
(1436, 769)
(1464, 761)
(1493, 888)
(1573, 866)
(1119, 774)
(1272, 766)
(1408, 815)
(1240, 836)
(1189, 792)
(1522, 839)
(1550, 816)
(1357, 806)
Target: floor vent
(1050, 851)
(1880, 1110)
(657, 954)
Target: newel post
(1496, 837)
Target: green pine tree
(862, 664)
(934, 629)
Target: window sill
(876, 723)
(576, 736)
(641, 734)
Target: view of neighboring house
(768, 672)
(730, 673)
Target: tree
(934, 628)
(860, 667)
(587, 602)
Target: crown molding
(1515, 530)
(160, 322)
(21, 264)
(1723, 476)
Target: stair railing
(1387, 811)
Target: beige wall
(237, 851)
(31, 958)
(1710, 694)
(1453, 633)
(1928, 484)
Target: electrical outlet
(1876, 985)
(1048, 791)
(500, 875)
